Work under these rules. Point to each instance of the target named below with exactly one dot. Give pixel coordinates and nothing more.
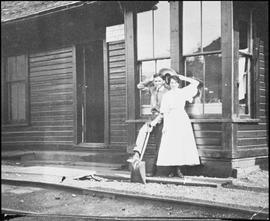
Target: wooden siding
(208, 138)
(252, 139)
(117, 94)
(51, 102)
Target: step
(68, 156)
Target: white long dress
(178, 146)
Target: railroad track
(220, 210)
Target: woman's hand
(190, 80)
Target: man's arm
(145, 84)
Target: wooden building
(70, 70)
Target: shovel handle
(145, 144)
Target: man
(157, 88)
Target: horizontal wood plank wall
(117, 94)
(208, 138)
(51, 100)
(253, 138)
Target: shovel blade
(138, 172)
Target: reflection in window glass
(164, 63)
(162, 29)
(243, 35)
(144, 35)
(148, 69)
(212, 86)
(211, 25)
(191, 27)
(194, 68)
(243, 78)
(207, 69)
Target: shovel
(138, 166)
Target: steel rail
(12, 213)
(202, 204)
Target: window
(153, 46)
(244, 66)
(202, 54)
(15, 90)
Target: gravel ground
(258, 178)
(231, 195)
(48, 201)
(257, 195)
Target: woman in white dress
(178, 146)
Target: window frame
(203, 54)
(153, 58)
(5, 98)
(247, 17)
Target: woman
(178, 146)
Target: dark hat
(167, 71)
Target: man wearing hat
(157, 87)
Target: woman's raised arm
(190, 80)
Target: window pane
(16, 107)
(243, 35)
(16, 69)
(213, 84)
(191, 27)
(11, 68)
(162, 29)
(211, 25)
(147, 71)
(194, 68)
(164, 63)
(244, 73)
(21, 102)
(144, 35)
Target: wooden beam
(106, 94)
(227, 47)
(176, 18)
(235, 83)
(132, 104)
(229, 85)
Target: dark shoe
(171, 174)
(178, 173)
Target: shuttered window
(16, 95)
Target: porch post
(130, 20)
(176, 30)
(228, 83)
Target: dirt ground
(258, 178)
(250, 190)
(51, 201)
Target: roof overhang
(138, 6)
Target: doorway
(91, 92)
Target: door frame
(77, 87)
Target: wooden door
(93, 93)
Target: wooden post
(106, 94)
(228, 84)
(132, 104)
(227, 59)
(176, 18)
